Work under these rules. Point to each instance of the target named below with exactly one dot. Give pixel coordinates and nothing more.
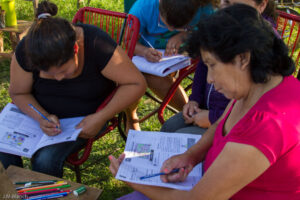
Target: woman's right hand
(183, 162)
(51, 128)
(152, 55)
(189, 110)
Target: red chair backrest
(122, 27)
(288, 26)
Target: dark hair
(238, 29)
(49, 41)
(270, 10)
(179, 13)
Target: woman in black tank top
(67, 71)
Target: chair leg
(122, 122)
(157, 100)
(77, 172)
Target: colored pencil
(42, 187)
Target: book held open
(164, 67)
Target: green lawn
(95, 171)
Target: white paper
(165, 66)
(145, 153)
(21, 135)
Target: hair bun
(46, 7)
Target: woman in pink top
(252, 151)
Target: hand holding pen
(184, 163)
(151, 54)
(50, 124)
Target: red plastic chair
(288, 26)
(124, 29)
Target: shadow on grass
(95, 171)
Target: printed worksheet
(145, 153)
(21, 135)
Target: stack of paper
(145, 153)
(164, 67)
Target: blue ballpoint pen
(159, 174)
(50, 196)
(36, 110)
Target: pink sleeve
(263, 132)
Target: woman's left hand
(115, 163)
(174, 44)
(91, 125)
(201, 119)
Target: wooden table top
(19, 28)
(17, 174)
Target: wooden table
(16, 174)
(16, 33)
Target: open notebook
(164, 67)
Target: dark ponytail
(49, 41)
(281, 62)
(46, 7)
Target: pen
(24, 182)
(40, 189)
(51, 196)
(36, 110)
(42, 183)
(158, 174)
(149, 44)
(41, 194)
(34, 185)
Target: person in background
(57, 69)
(163, 25)
(205, 104)
(266, 8)
(252, 151)
(204, 108)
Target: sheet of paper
(165, 66)
(145, 153)
(69, 132)
(18, 133)
(21, 135)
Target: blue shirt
(147, 11)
